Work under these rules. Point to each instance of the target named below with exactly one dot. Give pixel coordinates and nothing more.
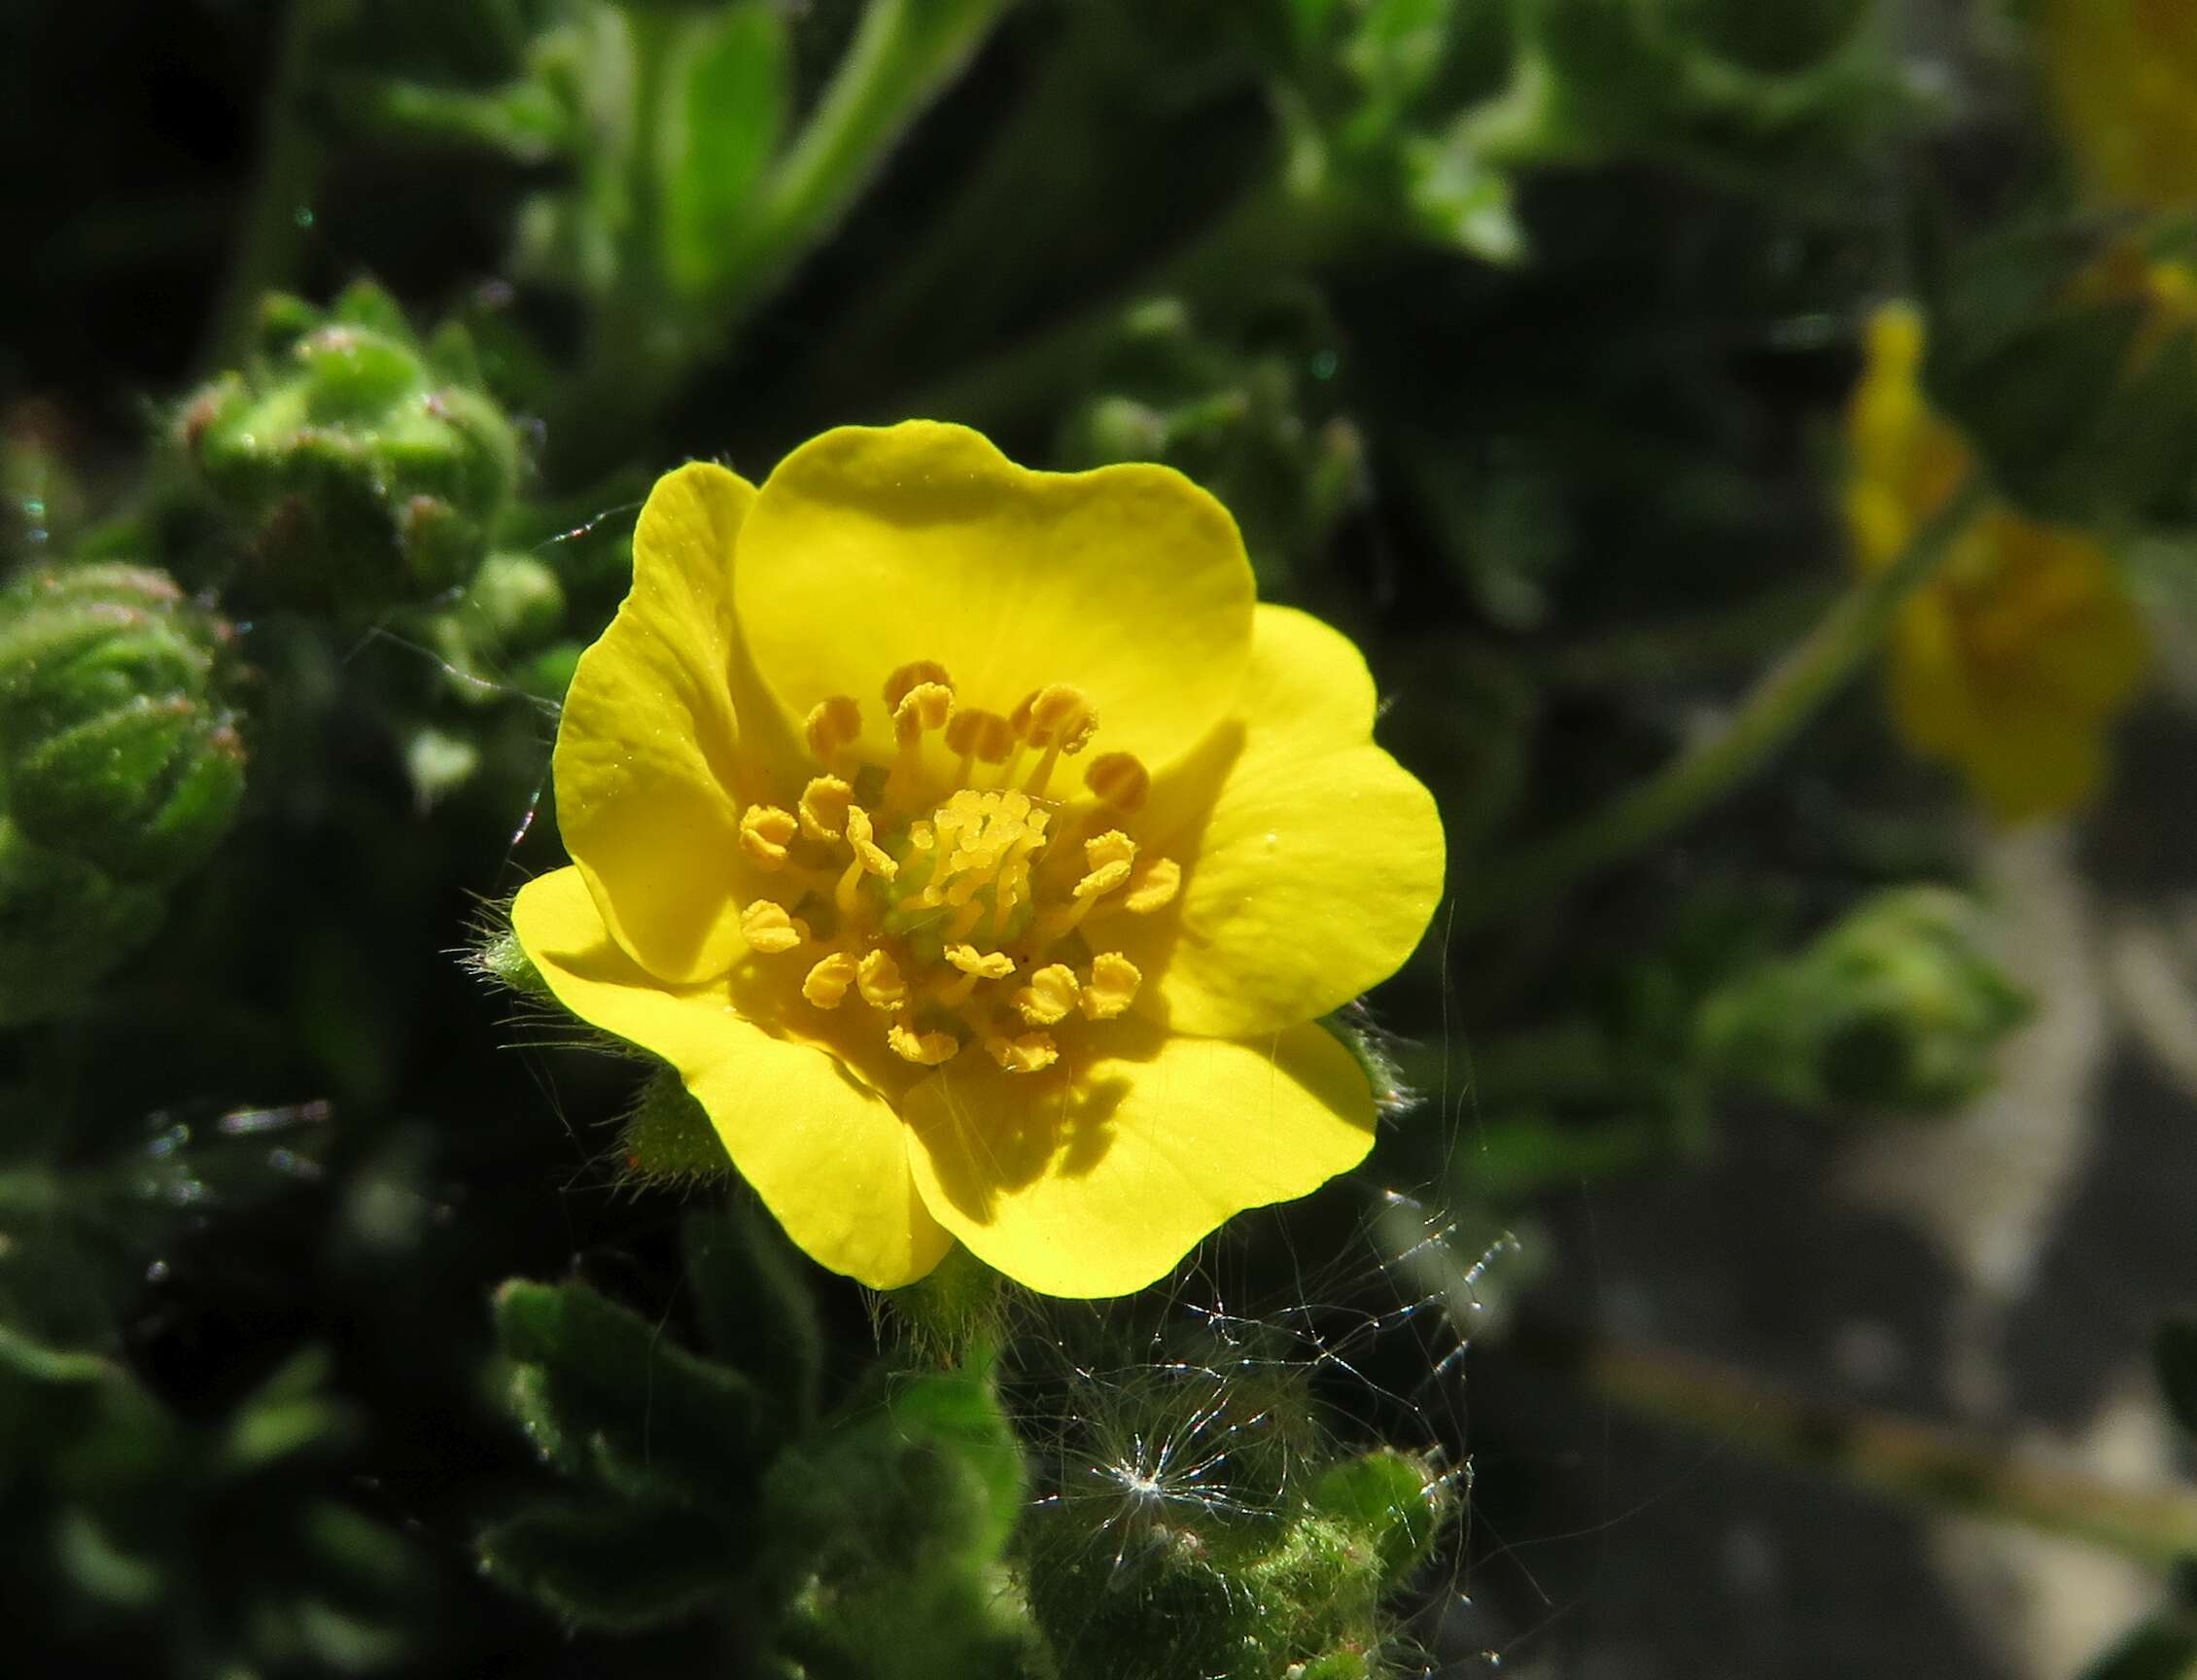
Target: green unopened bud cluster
(1201, 1532)
(121, 768)
(1897, 1007)
(359, 468)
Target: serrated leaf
(612, 1566)
(724, 111)
(653, 1416)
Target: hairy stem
(1772, 714)
(1931, 1464)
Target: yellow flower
(2013, 660)
(981, 854)
(2122, 74)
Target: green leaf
(724, 111)
(960, 1409)
(2175, 1351)
(751, 1295)
(612, 1566)
(655, 1416)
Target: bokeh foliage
(359, 1315)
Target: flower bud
(358, 474)
(117, 744)
(1898, 1006)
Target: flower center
(953, 891)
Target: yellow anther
(827, 982)
(975, 734)
(764, 830)
(1112, 986)
(862, 835)
(983, 964)
(1026, 1054)
(924, 672)
(1154, 888)
(1060, 716)
(833, 726)
(879, 978)
(1104, 879)
(1048, 996)
(926, 1049)
(823, 808)
(770, 930)
(924, 707)
(1102, 850)
(1120, 780)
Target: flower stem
(903, 52)
(644, 341)
(280, 211)
(1929, 1465)
(1772, 714)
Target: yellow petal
(646, 759)
(1097, 1183)
(2037, 766)
(870, 549)
(1313, 861)
(826, 1153)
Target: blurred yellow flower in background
(2122, 78)
(982, 855)
(2013, 660)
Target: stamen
(1061, 721)
(1119, 779)
(823, 808)
(926, 1049)
(764, 830)
(975, 733)
(1048, 996)
(985, 964)
(1112, 986)
(924, 672)
(770, 930)
(1060, 716)
(862, 835)
(826, 983)
(924, 707)
(1155, 886)
(878, 977)
(1026, 1054)
(833, 726)
(1110, 856)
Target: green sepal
(612, 1567)
(668, 1136)
(655, 1419)
(951, 1311)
